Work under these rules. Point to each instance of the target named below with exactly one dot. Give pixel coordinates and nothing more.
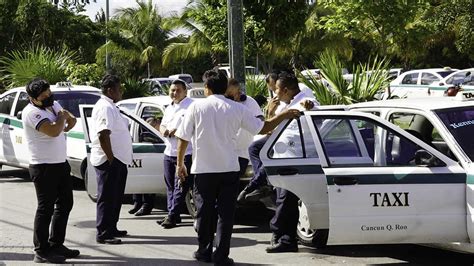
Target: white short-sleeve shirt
(173, 117)
(43, 148)
(212, 124)
(245, 138)
(106, 116)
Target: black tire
(93, 197)
(307, 236)
(190, 206)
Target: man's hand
(166, 133)
(307, 105)
(272, 106)
(61, 117)
(171, 133)
(70, 119)
(181, 172)
(290, 113)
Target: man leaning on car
(45, 122)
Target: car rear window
(460, 122)
(70, 100)
(445, 73)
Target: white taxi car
(364, 180)
(463, 78)
(14, 151)
(414, 83)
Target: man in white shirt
(44, 122)
(244, 138)
(212, 125)
(284, 222)
(172, 119)
(111, 152)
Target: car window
(295, 141)
(460, 123)
(6, 103)
(410, 79)
(130, 107)
(70, 100)
(22, 102)
(428, 78)
(151, 111)
(364, 147)
(457, 78)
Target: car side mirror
(424, 158)
(18, 115)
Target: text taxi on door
(364, 180)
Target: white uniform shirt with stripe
(172, 119)
(212, 125)
(106, 116)
(43, 148)
(245, 138)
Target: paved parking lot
(148, 243)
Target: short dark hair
(234, 82)
(261, 100)
(179, 82)
(109, 81)
(36, 87)
(215, 80)
(288, 80)
(272, 75)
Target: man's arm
(164, 131)
(53, 129)
(104, 140)
(181, 170)
(70, 120)
(273, 122)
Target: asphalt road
(148, 243)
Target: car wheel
(307, 236)
(190, 203)
(93, 197)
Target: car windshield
(460, 122)
(70, 100)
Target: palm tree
(200, 42)
(140, 35)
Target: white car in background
(414, 83)
(14, 150)
(463, 78)
(364, 180)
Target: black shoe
(135, 208)
(169, 223)
(280, 247)
(64, 251)
(243, 194)
(227, 261)
(50, 257)
(258, 193)
(143, 211)
(110, 241)
(200, 257)
(178, 220)
(120, 233)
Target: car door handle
(345, 180)
(11, 128)
(287, 171)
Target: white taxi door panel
(405, 192)
(18, 138)
(145, 173)
(291, 162)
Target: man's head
(215, 82)
(111, 87)
(286, 86)
(233, 89)
(271, 79)
(177, 90)
(39, 92)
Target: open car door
(366, 180)
(145, 173)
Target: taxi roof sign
(64, 84)
(465, 95)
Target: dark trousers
(176, 193)
(243, 163)
(215, 192)
(285, 221)
(53, 185)
(259, 175)
(145, 200)
(111, 180)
